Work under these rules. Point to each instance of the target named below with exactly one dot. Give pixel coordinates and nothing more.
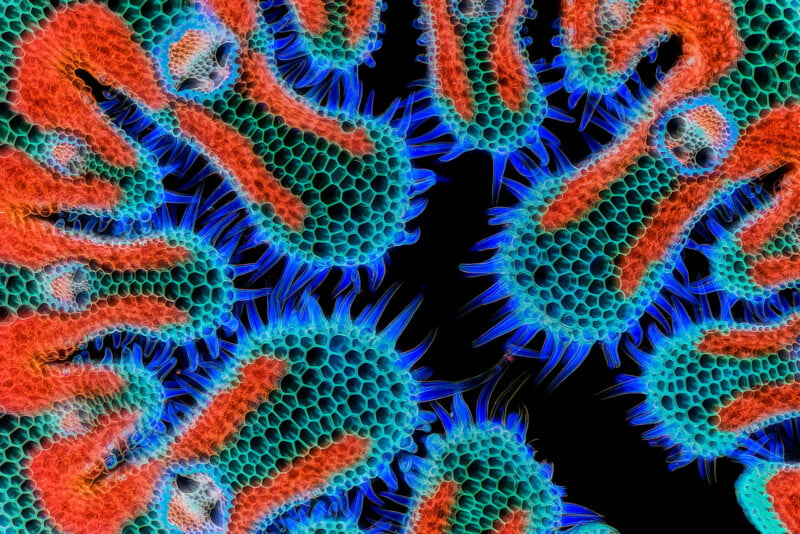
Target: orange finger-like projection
(48, 91)
(711, 45)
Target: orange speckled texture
(434, 513)
(306, 473)
(236, 154)
(89, 37)
(260, 83)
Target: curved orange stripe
(711, 46)
(360, 14)
(784, 491)
(578, 21)
(516, 522)
(313, 15)
(433, 514)
(448, 58)
(262, 86)
(750, 343)
(240, 16)
(759, 405)
(89, 37)
(306, 474)
(30, 381)
(223, 416)
(66, 473)
(236, 154)
(667, 225)
(507, 56)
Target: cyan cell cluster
(201, 202)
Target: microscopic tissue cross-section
(402, 267)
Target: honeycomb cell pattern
(335, 395)
(326, 523)
(767, 491)
(481, 476)
(337, 515)
(330, 186)
(482, 89)
(326, 34)
(196, 503)
(709, 387)
(584, 253)
(325, 526)
(484, 85)
(183, 181)
(347, 404)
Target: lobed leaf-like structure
(184, 180)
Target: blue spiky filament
(343, 379)
(342, 376)
(315, 53)
(143, 393)
(474, 454)
(481, 475)
(568, 280)
(325, 526)
(320, 521)
(493, 126)
(337, 514)
(358, 207)
(562, 282)
(587, 70)
(687, 389)
(185, 374)
(732, 267)
(716, 237)
(593, 528)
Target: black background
(599, 458)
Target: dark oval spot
(223, 54)
(189, 84)
(706, 157)
(216, 515)
(186, 484)
(676, 127)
